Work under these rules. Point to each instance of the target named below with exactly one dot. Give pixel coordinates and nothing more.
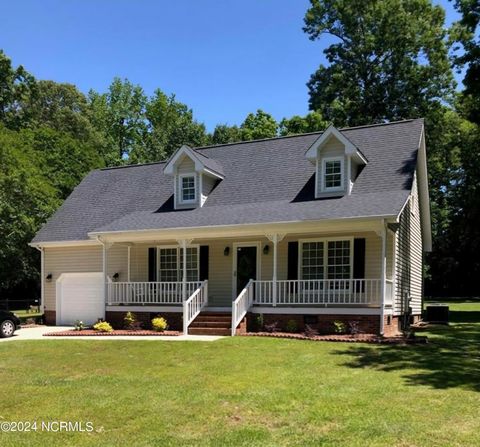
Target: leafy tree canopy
(390, 60)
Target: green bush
(339, 327)
(291, 326)
(79, 326)
(103, 326)
(159, 324)
(129, 320)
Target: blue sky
(224, 58)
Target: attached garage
(80, 297)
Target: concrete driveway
(36, 333)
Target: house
(313, 228)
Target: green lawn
(249, 391)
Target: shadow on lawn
(451, 359)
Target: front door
(246, 266)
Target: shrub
(353, 327)
(339, 327)
(129, 320)
(103, 326)
(259, 322)
(159, 324)
(272, 327)
(310, 331)
(78, 325)
(291, 326)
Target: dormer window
(188, 190)
(338, 163)
(194, 177)
(332, 174)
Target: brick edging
(91, 333)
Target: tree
(170, 124)
(258, 125)
(390, 60)
(61, 107)
(311, 122)
(27, 199)
(120, 115)
(223, 133)
(16, 84)
(465, 32)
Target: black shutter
(152, 264)
(293, 260)
(203, 262)
(359, 262)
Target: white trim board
(316, 310)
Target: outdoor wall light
(266, 249)
(49, 277)
(226, 251)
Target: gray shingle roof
(265, 181)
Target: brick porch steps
(211, 323)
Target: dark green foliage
(389, 62)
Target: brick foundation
(242, 327)
(174, 319)
(368, 324)
(50, 317)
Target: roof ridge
(137, 165)
(210, 146)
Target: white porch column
(383, 277)
(105, 248)
(275, 239)
(183, 245)
(128, 263)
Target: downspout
(384, 268)
(42, 276)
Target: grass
(249, 391)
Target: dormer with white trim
(337, 161)
(195, 176)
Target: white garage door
(80, 297)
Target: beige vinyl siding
(60, 260)
(403, 262)
(416, 252)
(409, 257)
(332, 148)
(207, 185)
(186, 166)
(81, 259)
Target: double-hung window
(170, 264)
(187, 189)
(326, 259)
(332, 174)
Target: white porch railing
(148, 293)
(241, 305)
(194, 304)
(326, 292)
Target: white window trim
(325, 254)
(180, 188)
(178, 249)
(325, 160)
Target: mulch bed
(93, 333)
(361, 338)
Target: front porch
(309, 272)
